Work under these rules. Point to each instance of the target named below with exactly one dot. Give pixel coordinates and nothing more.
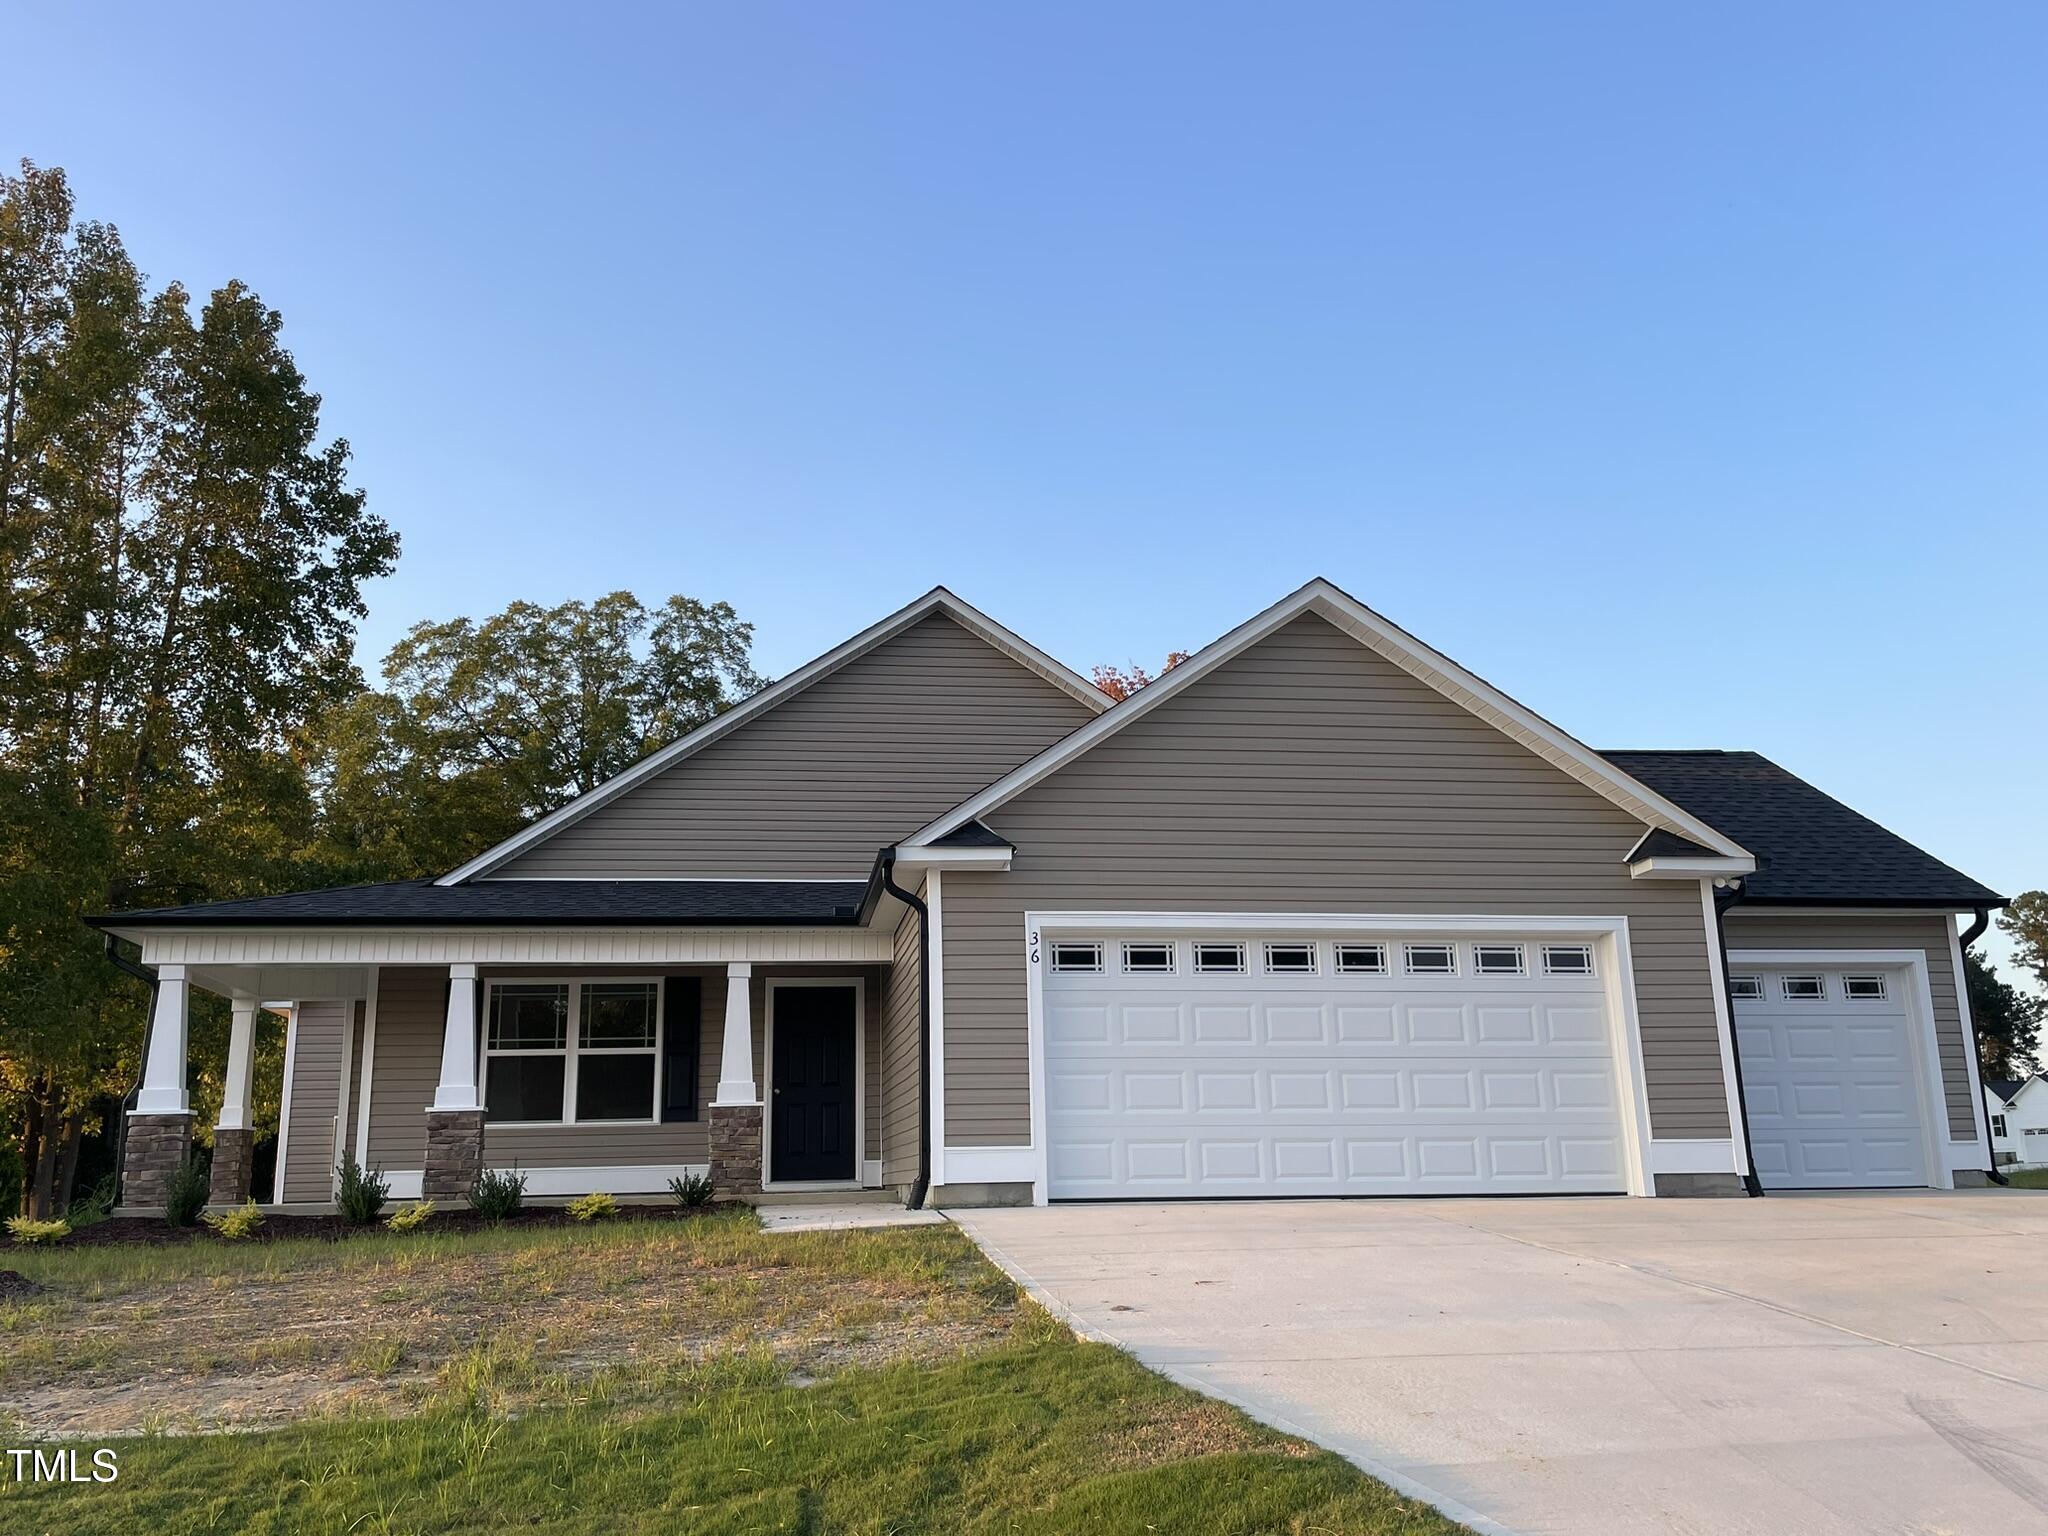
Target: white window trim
(1408, 969)
(1125, 968)
(1242, 968)
(1339, 968)
(1590, 973)
(1269, 969)
(1787, 995)
(1918, 995)
(1609, 937)
(573, 1048)
(1100, 965)
(776, 986)
(1521, 954)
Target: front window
(1998, 1125)
(615, 1051)
(537, 1070)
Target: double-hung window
(572, 1052)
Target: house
(2018, 1111)
(1319, 912)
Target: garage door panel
(1195, 1084)
(1832, 1085)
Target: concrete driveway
(1802, 1365)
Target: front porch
(586, 1060)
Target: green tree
(482, 726)
(184, 564)
(2008, 1020)
(2025, 922)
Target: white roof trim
(1389, 640)
(938, 600)
(1665, 867)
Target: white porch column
(163, 1075)
(235, 1097)
(457, 1088)
(736, 1062)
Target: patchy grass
(1039, 1434)
(635, 1378)
(215, 1336)
(2028, 1178)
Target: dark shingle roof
(556, 902)
(1809, 846)
(2004, 1087)
(971, 834)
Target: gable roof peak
(937, 600)
(1324, 598)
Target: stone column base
(234, 1161)
(735, 1152)
(157, 1146)
(455, 1152)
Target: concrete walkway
(1796, 1366)
(847, 1216)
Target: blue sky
(1679, 371)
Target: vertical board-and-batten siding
(317, 1066)
(900, 1067)
(411, 1009)
(858, 759)
(1311, 774)
(1765, 928)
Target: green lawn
(701, 1378)
(2028, 1178)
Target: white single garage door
(1297, 1064)
(1831, 1076)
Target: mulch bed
(15, 1285)
(155, 1232)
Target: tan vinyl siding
(405, 1062)
(1310, 774)
(1759, 928)
(812, 788)
(317, 1046)
(899, 1055)
(355, 1087)
(410, 1011)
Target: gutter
(147, 977)
(887, 869)
(1726, 896)
(1983, 1113)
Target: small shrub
(363, 1194)
(692, 1190)
(595, 1206)
(497, 1193)
(408, 1218)
(26, 1229)
(185, 1194)
(237, 1224)
(97, 1204)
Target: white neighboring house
(2019, 1119)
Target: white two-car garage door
(1831, 1075)
(1301, 1064)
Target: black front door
(813, 1085)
